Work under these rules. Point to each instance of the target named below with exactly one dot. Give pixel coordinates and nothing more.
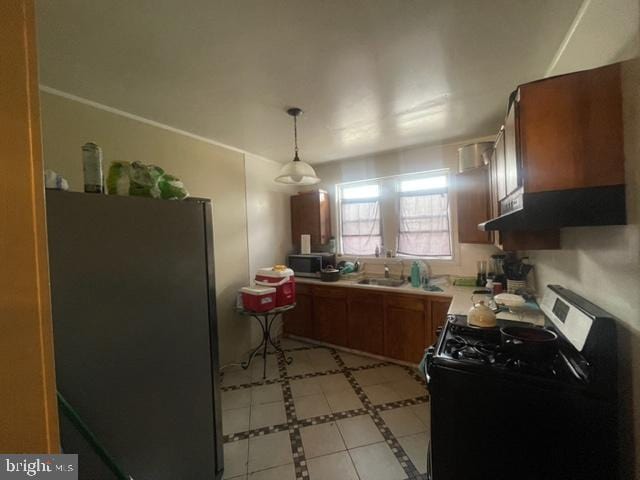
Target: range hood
(562, 208)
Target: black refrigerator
(135, 334)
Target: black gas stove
(481, 348)
(500, 415)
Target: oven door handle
(428, 358)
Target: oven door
(498, 427)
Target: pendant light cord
(295, 138)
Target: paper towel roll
(305, 244)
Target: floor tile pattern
(360, 418)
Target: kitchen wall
(268, 219)
(249, 215)
(410, 160)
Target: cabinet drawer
(303, 288)
(329, 292)
(407, 302)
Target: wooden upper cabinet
(570, 131)
(310, 214)
(498, 169)
(366, 321)
(474, 205)
(513, 240)
(512, 178)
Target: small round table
(265, 320)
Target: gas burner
(482, 346)
(461, 348)
(487, 348)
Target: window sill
(442, 260)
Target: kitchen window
(423, 210)
(361, 225)
(407, 214)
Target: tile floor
(328, 415)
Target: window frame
(389, 204)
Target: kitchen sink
(383, 282)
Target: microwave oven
(310, 265)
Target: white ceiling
(370, 75)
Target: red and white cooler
(280, 278)
(258, 298)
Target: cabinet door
(404, 328)
(512, 155)
(474, 205)
(324, 213)
(500, 169)
(571, 131)
(299, 321)
(310, 214)
(438, 308)
(305, 217)
(366, 321)
(330, 315)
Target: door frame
(28, 407)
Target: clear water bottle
(92, 168)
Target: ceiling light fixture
(296, 172)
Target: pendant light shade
(296, 172)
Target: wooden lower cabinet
(366, 321)
(330, 315)
(404, 327)
(438, 308)
(299, 321)
(395, 325)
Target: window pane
(425, 183)
(361, 245)
(361, 218)
(425, 245)
(424, 225)
(361, 191)
(360, 227)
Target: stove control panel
(572, 322)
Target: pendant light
(296, 172)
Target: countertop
(460, 297)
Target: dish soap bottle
(415, 275)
